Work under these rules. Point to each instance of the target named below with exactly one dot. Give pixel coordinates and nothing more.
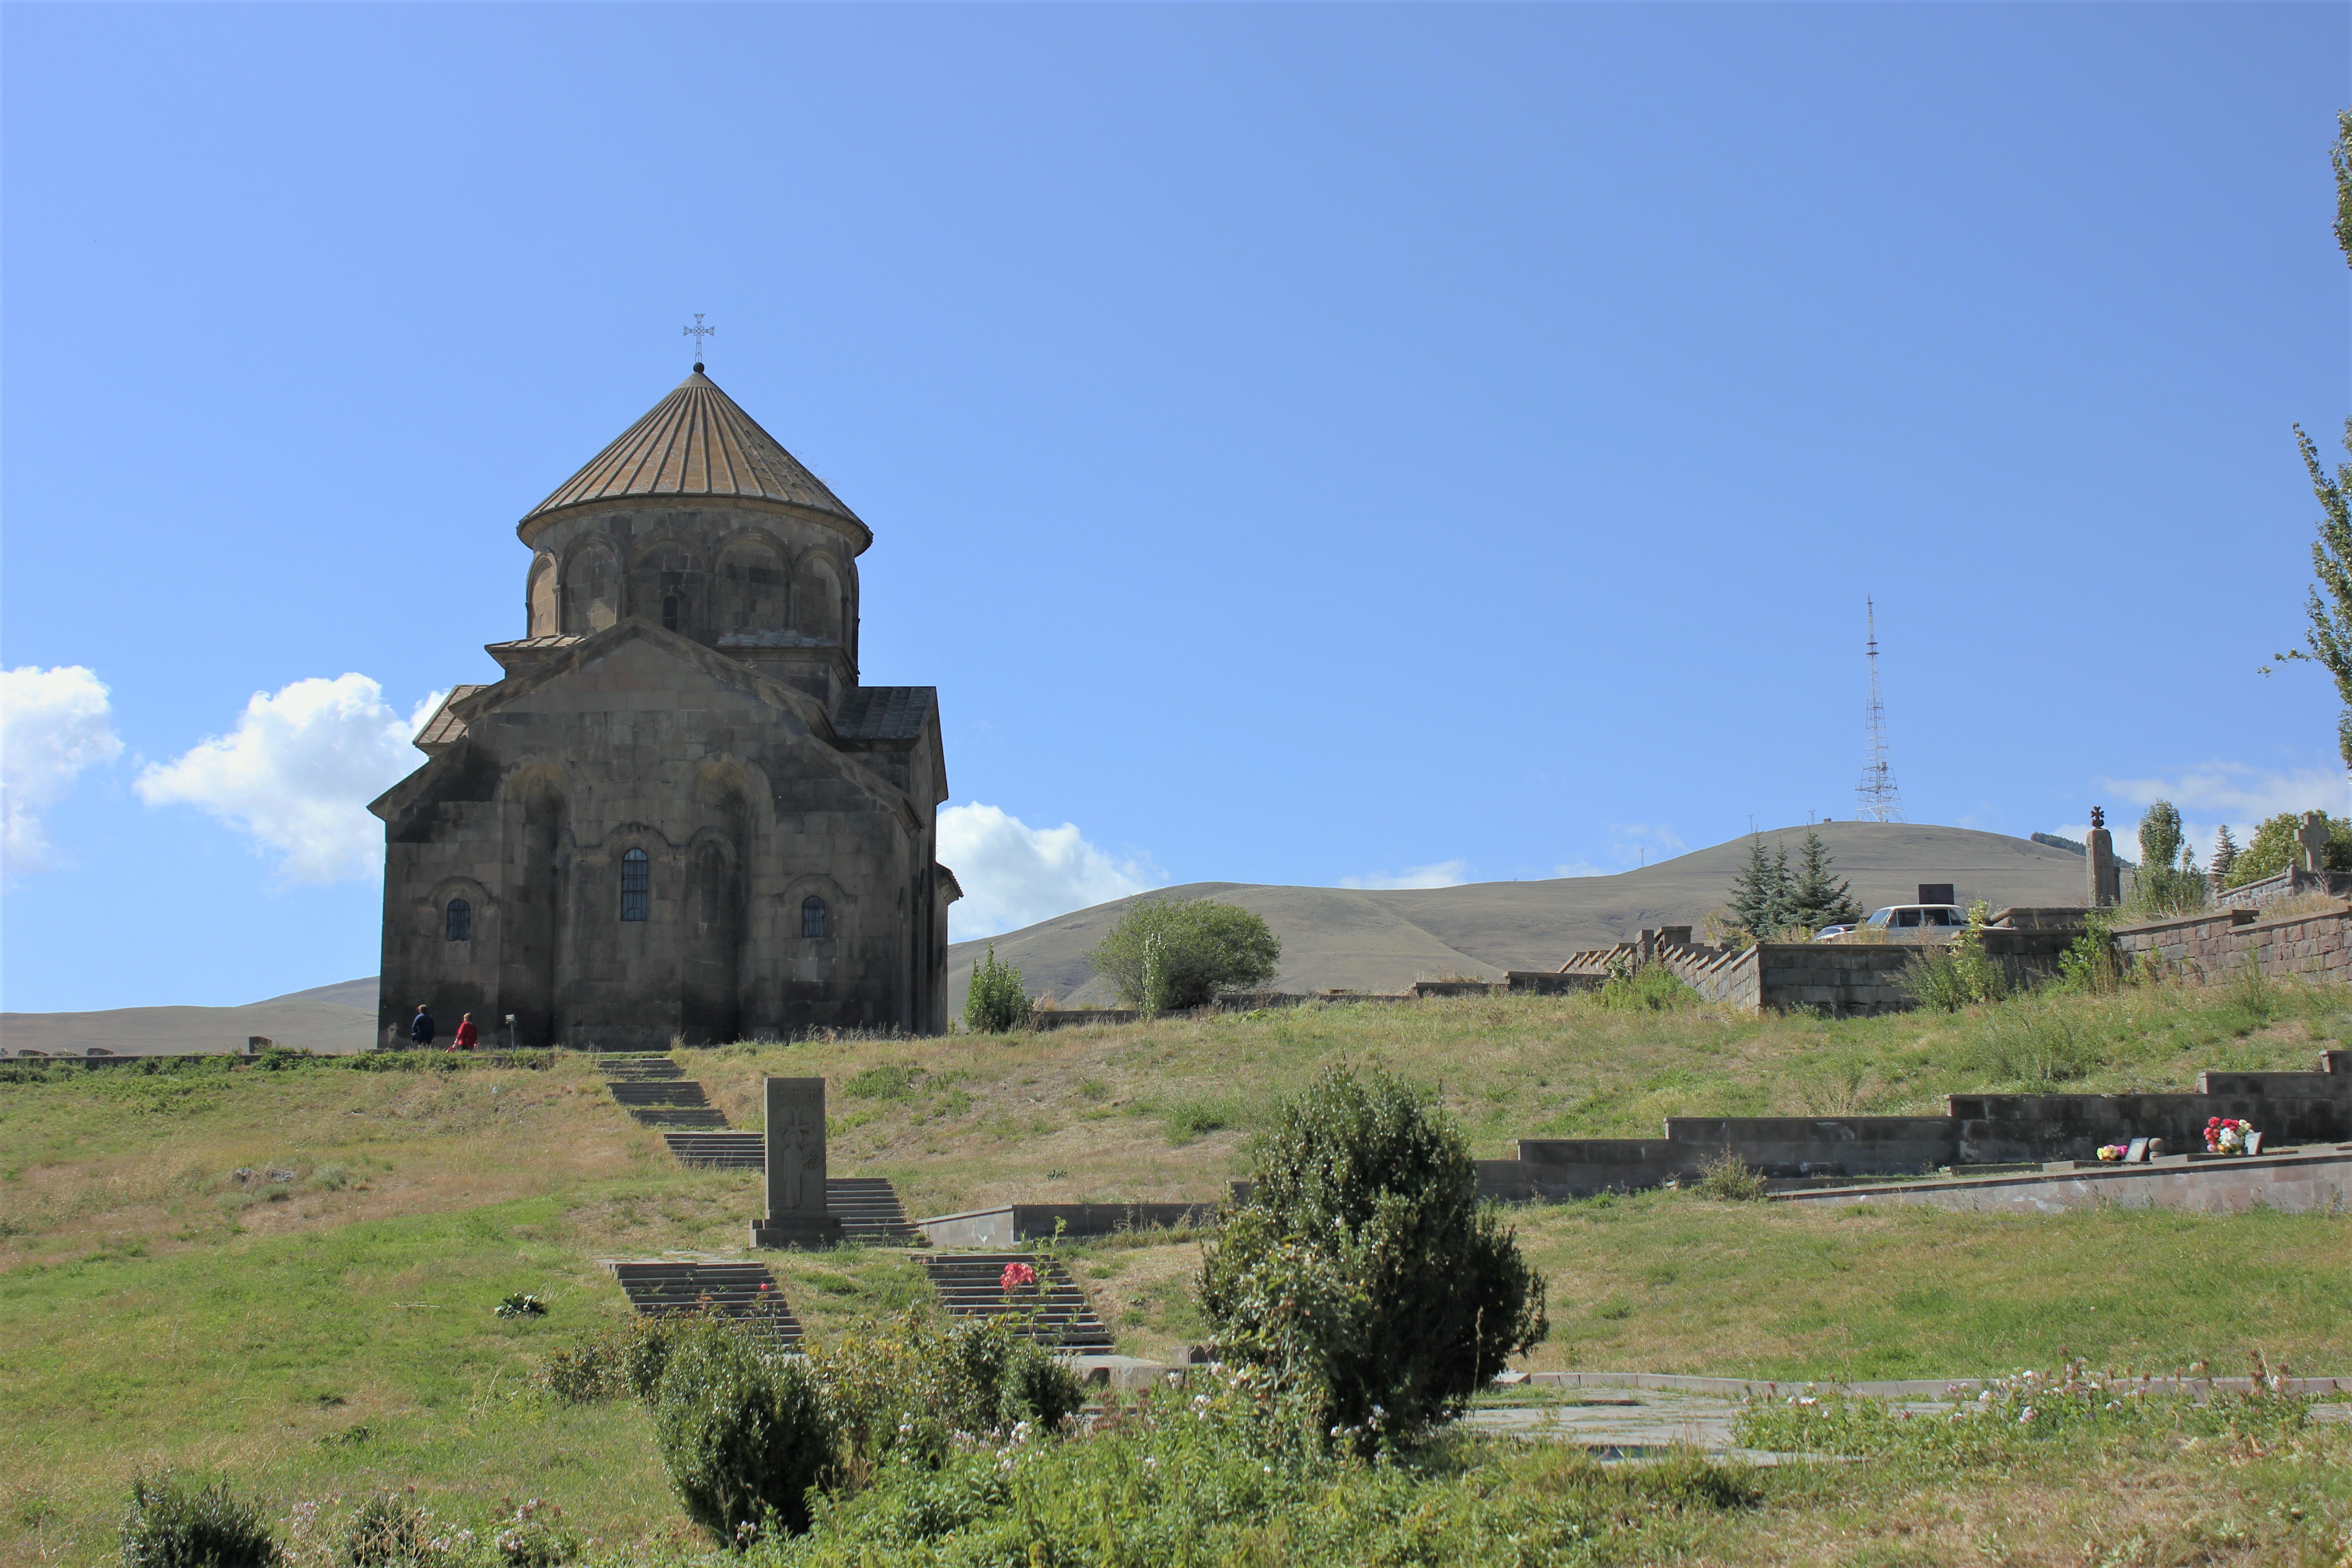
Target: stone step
(648, 1067)
(681, 1116)
(726, 1151)
(676, 1091)
(868, 1207)
(738, 1292)
(970, 1285)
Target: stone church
(679, 814)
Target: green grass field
(323, 1328)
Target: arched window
(461, 921)
(635, 875)
(812, 917)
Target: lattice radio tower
(1879, 799)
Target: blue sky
(1304, 443)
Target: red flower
(2212, 1121)
(1017, 1277)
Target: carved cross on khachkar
(795, 1138)
(2310, 841)
(697, 332)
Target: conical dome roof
(696, 442)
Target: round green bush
(743, 1434)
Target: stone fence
(1978, 1130)
(2292, 883)
(2218, 943)
(1836, 979)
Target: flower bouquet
(2223, 1136)
(2112, 1153)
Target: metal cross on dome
(697, 332)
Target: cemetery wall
(2220, 944)
(2291, 1183)
(2288, 1107)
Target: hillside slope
(1335, 937)
(326, 1018)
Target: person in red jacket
(463, 1039)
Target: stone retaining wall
(1976, 1129)
(2221, 943)
(2299, 1182)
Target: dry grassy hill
(1383, 941)
(328, 1019)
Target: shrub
(172, 1523)
(1652, 988)
(1729, 1179)
(386, 1533)
(608, 1362)
(907, 1389)
(2089, 965)
(997, 1003)
(1362, 1269)
(1958, 975)
(743, 1434)
(534, 1538)
(1180, 952)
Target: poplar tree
(2330, 641)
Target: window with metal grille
(813, 917)
(635, 875)
(461, 921)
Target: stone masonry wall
(2220, 945)
(2289, 1107)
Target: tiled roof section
(884, 712)
(696, 442)
(445, 729)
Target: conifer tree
(1760, 893)
(1816, 897)
(2225, 851)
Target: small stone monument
(795, 1138)
(2106, 888)
(2310, 842)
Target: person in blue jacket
(421, 1028)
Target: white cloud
(297, 772)
(1445, 874)
(1015, 875)
(2215, 794)
(1631, 845)
(53, 724)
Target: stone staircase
(656, 1090)
(738, 1292)
(970, 1284)
(727, 1150)
(869, 1210)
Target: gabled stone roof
(884, 712)
(445, 729)
(696, 442)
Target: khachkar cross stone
(795, 1138)
(2310, 842)
(697, 332)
